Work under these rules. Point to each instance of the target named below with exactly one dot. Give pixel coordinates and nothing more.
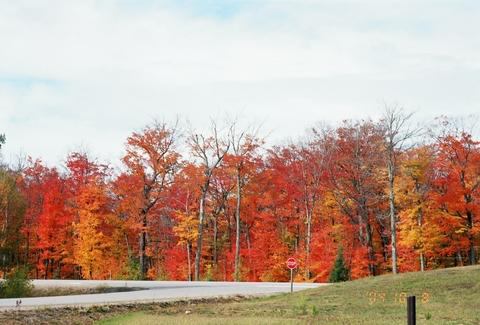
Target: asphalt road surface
(155, 291)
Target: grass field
(449, 296)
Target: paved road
(155, 291)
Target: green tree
(2, 142)
(17, 284)
(339, 272)
(12, 211)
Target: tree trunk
(297, 238)
(142, 248)
(368, 241)
(189, 263)
(249, 247)
(36, 272)
(237, 228)
(422, 262)
(215, 239)
(471, 254)
(45, 276)
(308, 240)
(201, 217)
(371, 252)
(27, 253)
(459, 259)
(420, 223)
(229, 232)
(393, 218)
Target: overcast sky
(87, 73)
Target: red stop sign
(291, 263)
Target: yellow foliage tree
(186, 231)
(417, 231)
(95, 234)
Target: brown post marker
(411, 311)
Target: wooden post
(291, 280)
(411, 311)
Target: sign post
(291, 264)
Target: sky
(86, 74)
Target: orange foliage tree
(151, 159)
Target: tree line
(385, 194)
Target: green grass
(449, 296)
(140, 318)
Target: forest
(221, 205)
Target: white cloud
(90, 72)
